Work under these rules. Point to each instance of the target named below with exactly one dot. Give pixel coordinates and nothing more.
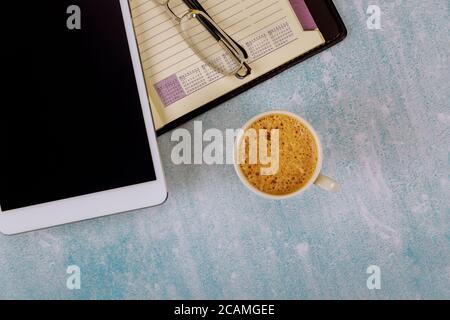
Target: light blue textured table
(381, 103)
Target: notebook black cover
(333, 30)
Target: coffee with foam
(297, 158)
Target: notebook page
(180, 82)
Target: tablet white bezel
(106, 202)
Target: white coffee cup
(317, 178)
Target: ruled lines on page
(260, 26)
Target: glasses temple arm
(194, 4)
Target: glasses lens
(215, 53)
(176, 7)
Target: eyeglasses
(210, 42)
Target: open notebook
(273, 32)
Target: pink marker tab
(303, 15)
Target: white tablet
(77, 136)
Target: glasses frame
(221, 36)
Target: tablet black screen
(71, 118)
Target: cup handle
(327, 183)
